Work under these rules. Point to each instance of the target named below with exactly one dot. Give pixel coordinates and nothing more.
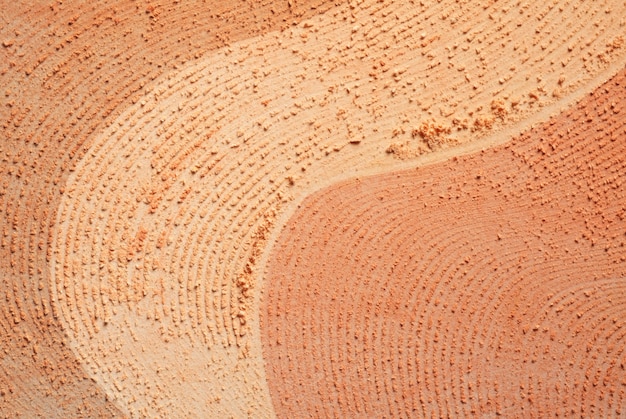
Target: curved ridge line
(490, 141)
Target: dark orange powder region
(67, 70)
(489, 284)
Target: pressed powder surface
(67, 70)
(152, 153)
(489, 284)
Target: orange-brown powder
(489, 284)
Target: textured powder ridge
(489, 284)
(67, 71)
(152, 151)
